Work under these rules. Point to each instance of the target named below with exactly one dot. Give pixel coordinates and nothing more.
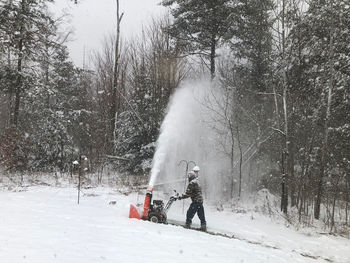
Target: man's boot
(203, 227)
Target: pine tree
(47, 117)
(199, 26)
(252, 40)
(154, 73)
(137, 124)
(23, 24)
(323, 70)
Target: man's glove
(180, 197)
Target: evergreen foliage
(153, 75)
(199, 26)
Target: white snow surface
(45, 224)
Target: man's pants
(195, 207)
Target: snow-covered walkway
(45, 224)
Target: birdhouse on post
(75, 168)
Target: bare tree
(116, 92)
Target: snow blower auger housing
(154, 212)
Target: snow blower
(155, 212)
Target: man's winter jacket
(194, 191)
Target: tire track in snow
(232, 236)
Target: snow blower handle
(176, 195)
(172, 199)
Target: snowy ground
(45, 224)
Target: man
(196, 170)
(195, 192)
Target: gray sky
(92, 20)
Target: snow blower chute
(155, 212)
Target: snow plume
(187, 133)
(176, 127)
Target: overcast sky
(92, 20)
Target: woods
(282, 69)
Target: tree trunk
(346, 207)
(212, 55)
(240, 161)
(292, 182)
(335, 197)
(284, 148)
(19, 80)
(284, 199)
(116, 93)
(326, 125)
(232, 158)
(10, 98)
(19, 83)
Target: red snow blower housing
(155, 212)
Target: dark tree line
(286, 84)
(53, 111)
(282, 68)
(40, 89)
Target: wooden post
(79, 176)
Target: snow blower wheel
(154, 218)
